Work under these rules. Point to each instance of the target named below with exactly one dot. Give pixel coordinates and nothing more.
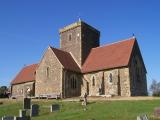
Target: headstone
(34, 110)
(23, 118)
(26, 103)
(54, 107)
(22, 113)
(144, 117)
(157, 112)
(8, 118)
(139, 118)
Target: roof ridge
(30, 65)
(63, 57)
(116, 42)
(58, 49)
(75, 60)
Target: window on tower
(70, 37)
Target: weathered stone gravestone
(54, 107)
(34, 110)
(144, 117)
(157, 112)
(23, 118)
(22, 113)
(27, 103)
(8, 118)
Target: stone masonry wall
(92, 90)
(124, 82)
(49, 75)
(79, 39)
(90, 39)
(72, 45)
(120, 84)
(20, 90)
(138, 75)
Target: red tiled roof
(27, 74)
(66, 60)
(109, 56)
(100, 58)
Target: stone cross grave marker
(54, 107)
(8, 118)
(144, 117)
(34, 110)
(27, 103)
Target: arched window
(70, 37)
(110, 77)
(93, 81)
(21, 91)
(47, 72)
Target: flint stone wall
(120, 84)
(51, 82)
(20, 90)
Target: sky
(28, 27)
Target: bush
(155, 88)
(157, 94)
(3, 92)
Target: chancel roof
(109, 56)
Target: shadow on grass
(89, 103)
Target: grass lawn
(101, 110)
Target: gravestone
(34, 110)
(22, 113)
(1, 103)
(8, 118)
(157, 112)
(143, 117)
(27, 103)
(54, 107)
(23, 118)
(84, 102)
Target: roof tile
(27, 74)
(66, 60)
(109, 56)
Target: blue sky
(27, 27)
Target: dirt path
(90, 99)
(113, 98)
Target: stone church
(81, 66)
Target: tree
(155, 88)
(3, 91)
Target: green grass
(106, 110)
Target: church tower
(79, 38)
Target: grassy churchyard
(96, 110)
